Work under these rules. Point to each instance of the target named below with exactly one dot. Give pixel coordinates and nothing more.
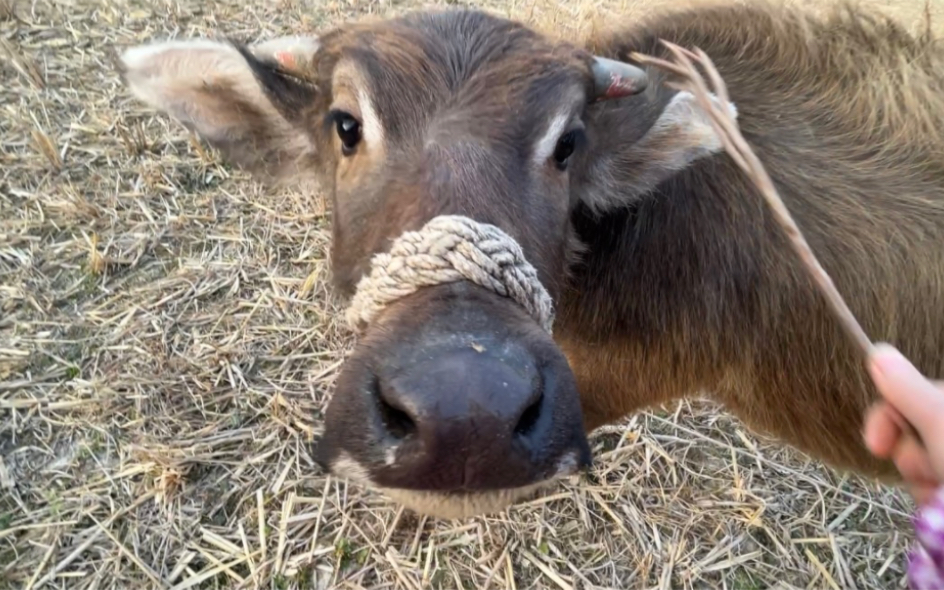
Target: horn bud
(616, 79)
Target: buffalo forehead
(416, 73)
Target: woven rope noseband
(447, 249)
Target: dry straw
(158, 395)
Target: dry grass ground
(167, 345)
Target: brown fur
(694, 288)
(670, 275)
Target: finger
(881, 430)
(912, 461)
(920, 401)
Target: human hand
(909, 398)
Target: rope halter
(447, 249)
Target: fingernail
(889, 362)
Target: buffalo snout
(457, 391)
(467, 407)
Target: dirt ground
(168, 342)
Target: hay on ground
(168, 343)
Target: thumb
(919, 400)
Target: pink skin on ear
(285, 58)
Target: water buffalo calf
(669, 275)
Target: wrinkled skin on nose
(455, 391)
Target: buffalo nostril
(529, 417)
(397, 422)
(531, 414)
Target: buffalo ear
(246, 102)
(681, 134)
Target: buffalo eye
(349, 131)
(564, 149)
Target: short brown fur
(845, 112)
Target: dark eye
(565, 148)
(349, 130)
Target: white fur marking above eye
(545, 146)
(372, 131)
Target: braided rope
(451, 248)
